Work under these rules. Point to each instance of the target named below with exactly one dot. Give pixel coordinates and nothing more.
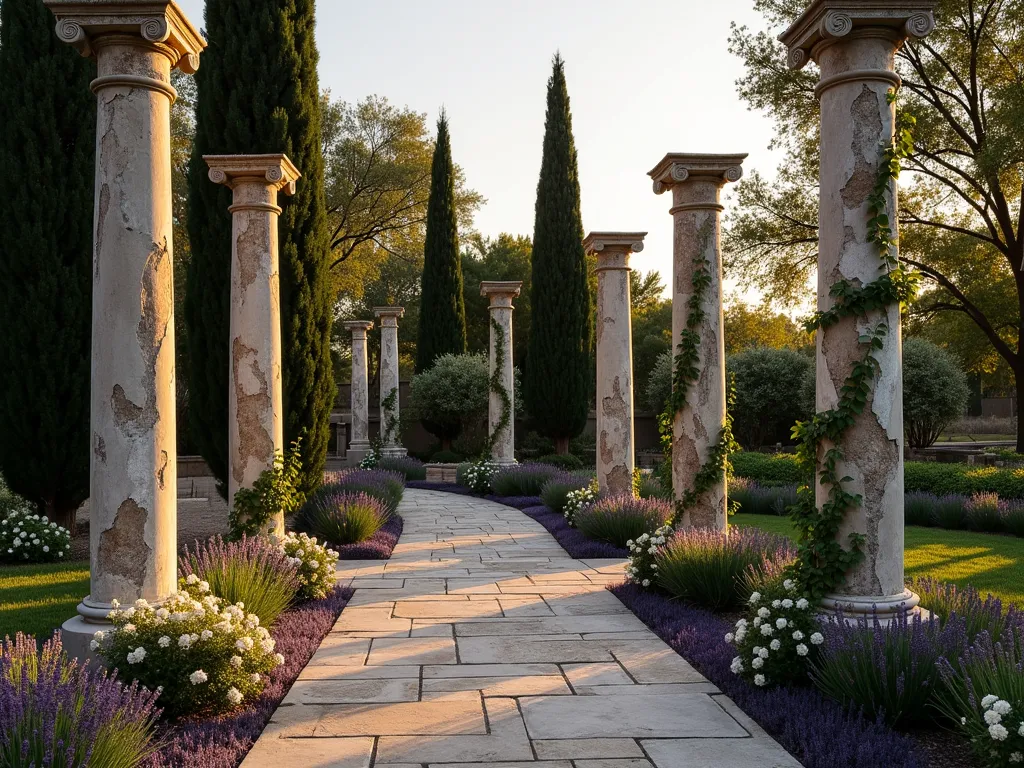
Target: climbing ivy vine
(822, 561)
(686, 371)
(388, 407)
(498, 387)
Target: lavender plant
(555, 490)
(409, 467)
(621, 519)
(985, 512)
(889, 671)
(707, 567)
(983, 694)
(253, 571)
(522, 479)
(206, 655)
(56, 713)
(343, 517)
(948, 601)
(385, 485)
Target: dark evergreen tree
(47, 140)
(442, 309)
(258, 92)
(557, 382)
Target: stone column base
(357, 451)
(76, 634)
(504, 462)
(393, 450)
(886, 607)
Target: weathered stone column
(389, 422)
(501, 293)
(615, 459)
(360, 444)
(696, 182)
(255, 407)
(855, 46)
(133, 465)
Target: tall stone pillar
(615, 459)
(501, 293)
(696, 182)
(255, 406)
(855, 46)
(133, 463)
(389, 421)
(360, 444)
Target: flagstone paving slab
(482, 643)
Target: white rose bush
(28, 537)
(477, 476)
(579, 500)
(315, 563)
(204, 655)
(777, 638)
(642, 568)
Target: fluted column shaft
(389, 417)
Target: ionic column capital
(826, 21)
(500, 292)
(613, 249)
(679, 168)
(159, 23)
(273, 171)
(388, 316)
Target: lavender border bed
(223, 742)
(377, 547)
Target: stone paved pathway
(480, 642)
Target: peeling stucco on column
(133, 475)
(855, 46)
(615, 459)
(389, 421)
(696, 182)
(501, 293)
(360, 444)
(255, 407)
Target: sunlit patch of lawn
(37, 599)
(987, 562)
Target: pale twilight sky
(645, 77)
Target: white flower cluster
(1005, 732)
(371, 459)
(642, 568)
(776, 638)
(315, 564)
(27, 537)
(578, 500)
(205, 654)
(478, 476)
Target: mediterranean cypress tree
(47, 139)
(556, 383)
(258, 93)
(442, 309)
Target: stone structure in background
(614, 358)
(854, 45)
(133, 483)
(500, 293)
(391, 439)
(696, 182)
(255, 406)
(360, 443)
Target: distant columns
(255, 406)
(615, 460)
(133, 476)
(696, 182)
(854, 46)
(360, 444)
(501, 294)
(389, 421)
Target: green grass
(987, 562)
(37, 599)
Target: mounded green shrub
(767, 469)
(446, 457)
(566, 461)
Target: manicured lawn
(37, 599)
(987, 562)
